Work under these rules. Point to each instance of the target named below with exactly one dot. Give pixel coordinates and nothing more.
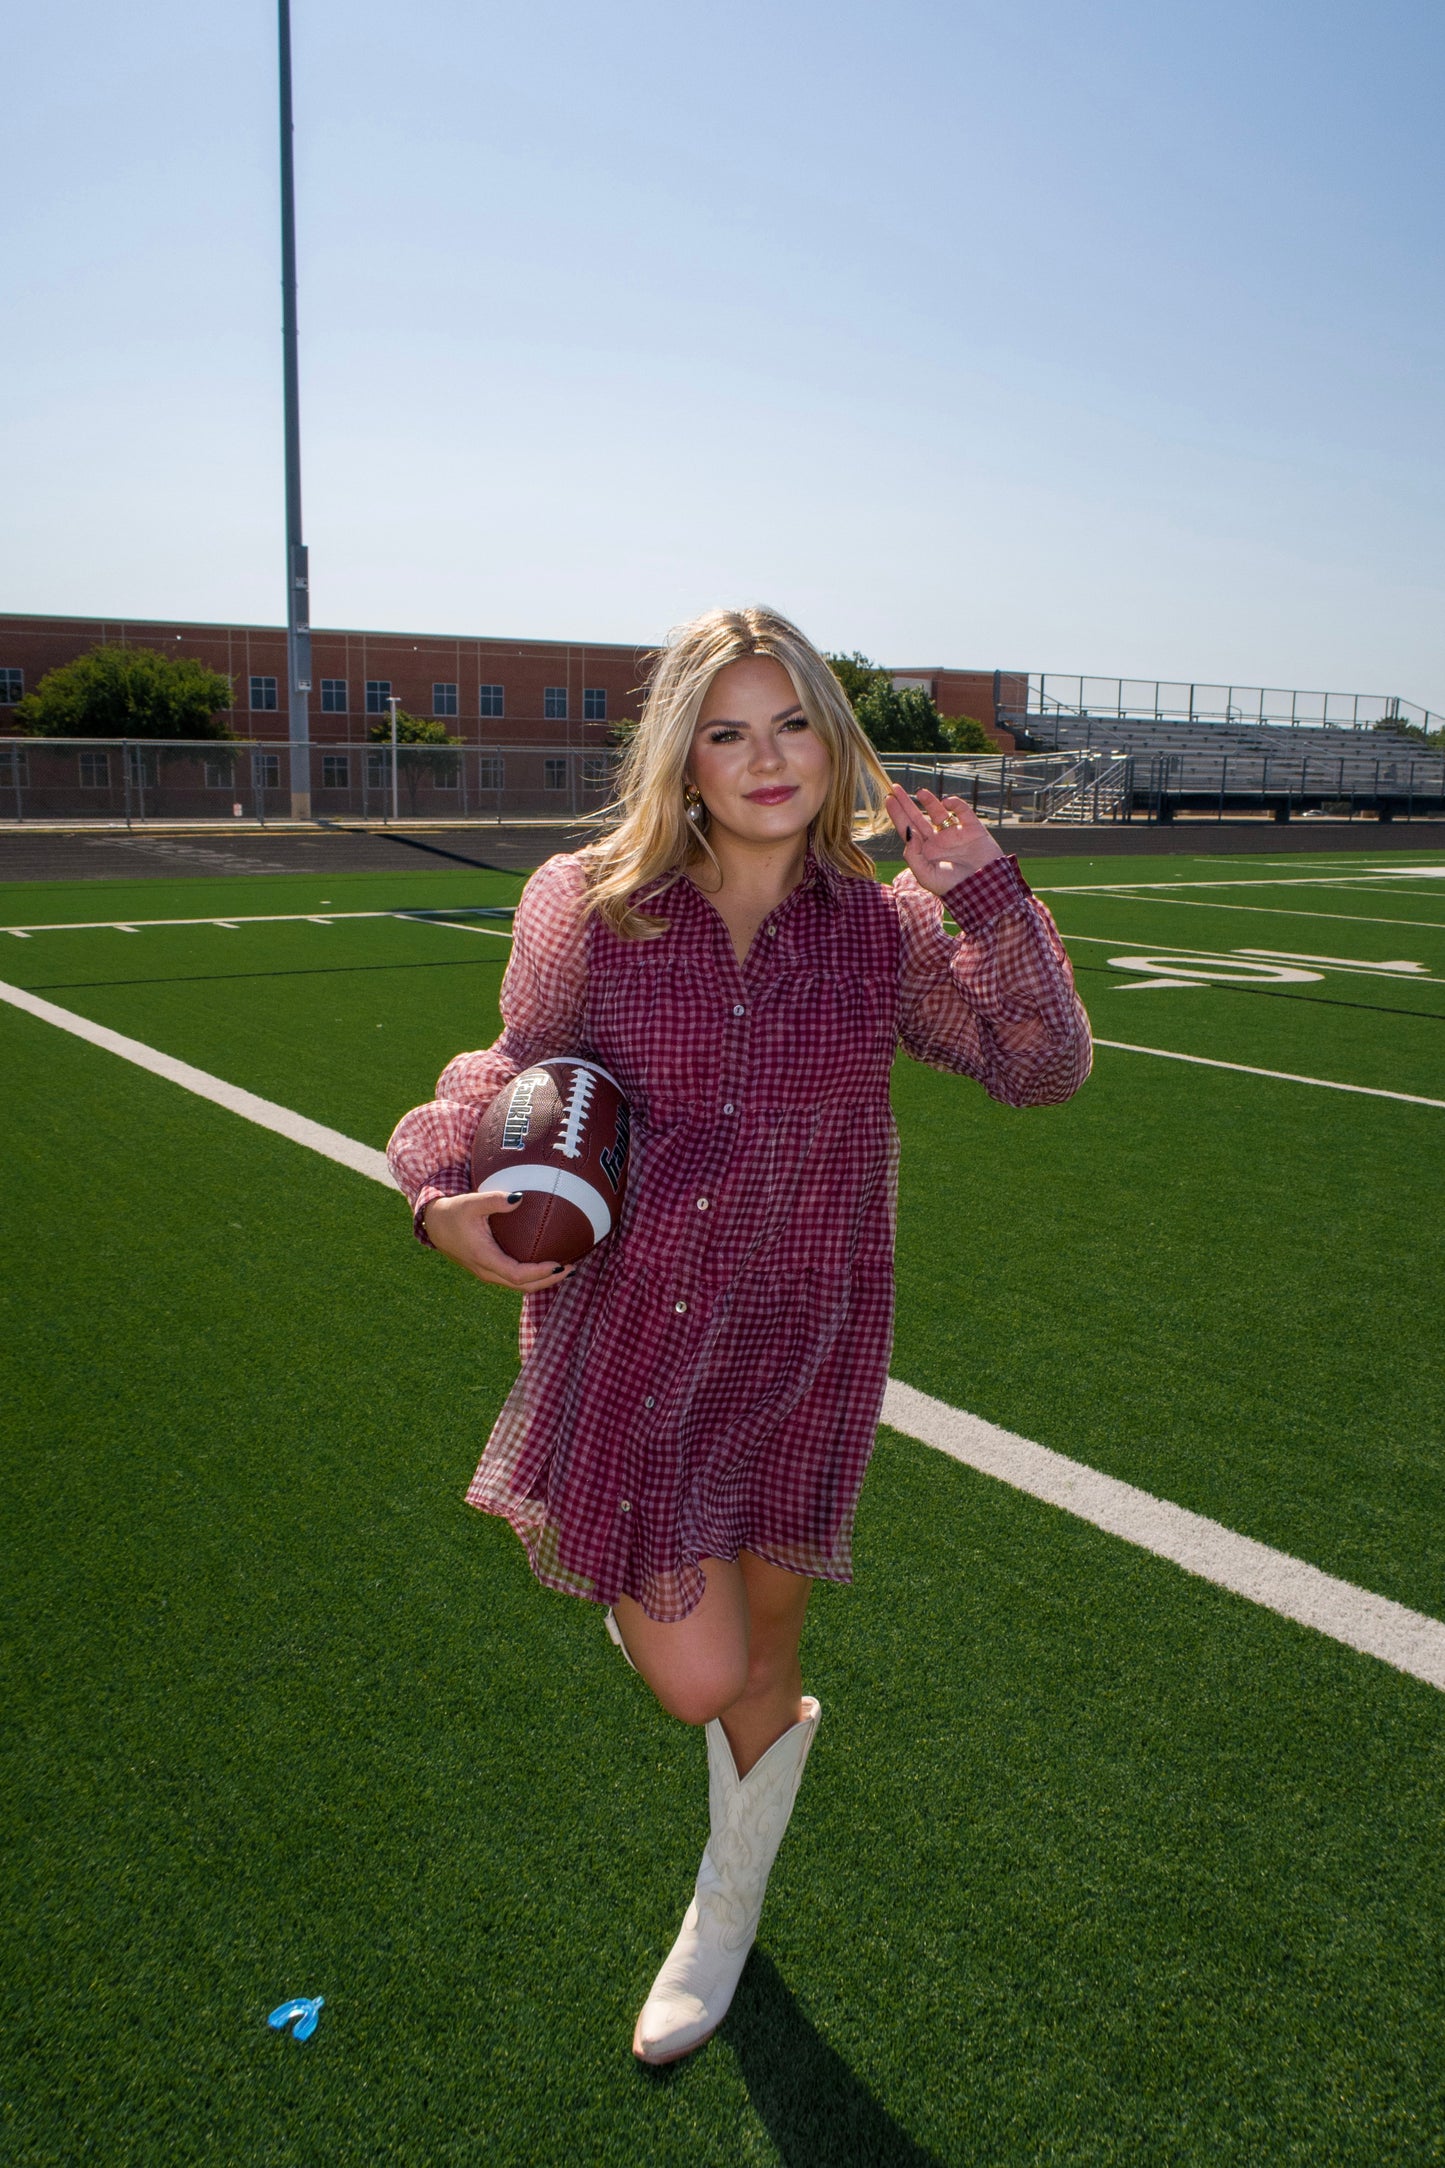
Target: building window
(263, 695)
(377, 770)
(489, 700)
(378, 692)
(554, 775)
(594, 704)
(15, 765)
(444, 774)
(596, 774)
(491, 771)
(266, 771)
(333, 696)
(12, 687)
(220, 775)
(335, 771)
(443, 699)
(95, 771)
(554, 704)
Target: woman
(687, 1437)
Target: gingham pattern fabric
(709, 1379)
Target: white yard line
(461, 925)
(419, 917)
(1331, 877)
(264, 1112)
(1281, 1076)
(1408, 1640)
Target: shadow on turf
(817, 2113)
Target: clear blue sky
(1029, 333)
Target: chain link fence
(110, 781)
(107, 780)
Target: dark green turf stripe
(198, 894)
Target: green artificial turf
(1167, 1277)
(350, 1023)
(1094, 1863)
(28, 903)
(1335, 1028)
(1220, 1288)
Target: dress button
(679, 1307)
(649, 1402)
(727, 1106)
(702, 1204)
(624, 1505)
(771, 931)
(737, 1008)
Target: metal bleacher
(1216, 747)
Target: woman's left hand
(944, 841)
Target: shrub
(413, 765)
(127, 692)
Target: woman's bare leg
(735, 1655)
(772, 1700)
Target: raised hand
(943, 839)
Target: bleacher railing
(1022, 786)
(1055, 695)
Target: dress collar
(819, 875)
(818, 878)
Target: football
(560, 1133)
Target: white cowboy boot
(614, 1634)
(691, 1994)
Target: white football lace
(578, 1099)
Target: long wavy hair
(655, 841)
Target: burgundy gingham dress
(708, 1380)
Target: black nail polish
(559, 1268)
(514, 1196)
(908, 835)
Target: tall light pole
(393, 702)
(298, 589)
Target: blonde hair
(654, 841)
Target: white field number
(1249, 967)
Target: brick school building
(488, 692)
(496, 692)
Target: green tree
(966, 735)
(903, 720)
(414, 765)
(856, 674)
(127, 692)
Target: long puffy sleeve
(997, 1003)
(543, 999)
